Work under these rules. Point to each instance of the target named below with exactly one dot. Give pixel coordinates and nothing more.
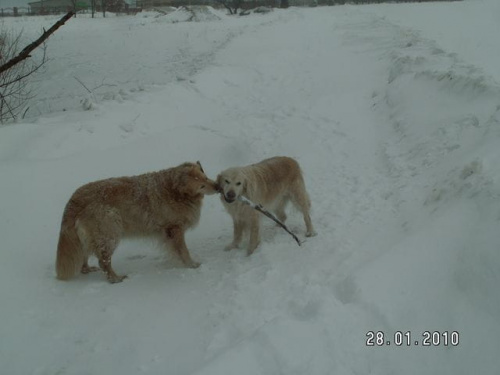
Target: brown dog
(273, 183)
(100, 213)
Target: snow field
(397, 136)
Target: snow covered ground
(393, 111)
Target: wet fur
(99, 214)
(273, 183)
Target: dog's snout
(230, 196)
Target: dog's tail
(70, 254)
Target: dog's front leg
(254, 233)
(238, 226)
(175, 237)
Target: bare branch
(25, 53)
(34, 69)
(81, 83)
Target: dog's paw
(194, 264)
(251, 249)
(311, 234)
(250, 252)
(87, 269)
(230, 247)
(116, 279)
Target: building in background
(57, 6)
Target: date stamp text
(407, 338)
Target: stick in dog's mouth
(261, 209)
(247, 201)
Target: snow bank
(191, 14)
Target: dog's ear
(199, 165)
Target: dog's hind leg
(103, 248)
(105, 264)
(300, 199)
(100, 235)
(86, 268)
(175, 238)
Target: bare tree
(74, 5)
(16, 67)
(231, 5)
(115, 5)
(14, 88)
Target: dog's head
(232, 184)
(196, 182)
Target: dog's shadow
(144, 256)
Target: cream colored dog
(273, 183)
(100, 213)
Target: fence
(14, 12)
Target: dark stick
(25, 53)
(261, 209)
